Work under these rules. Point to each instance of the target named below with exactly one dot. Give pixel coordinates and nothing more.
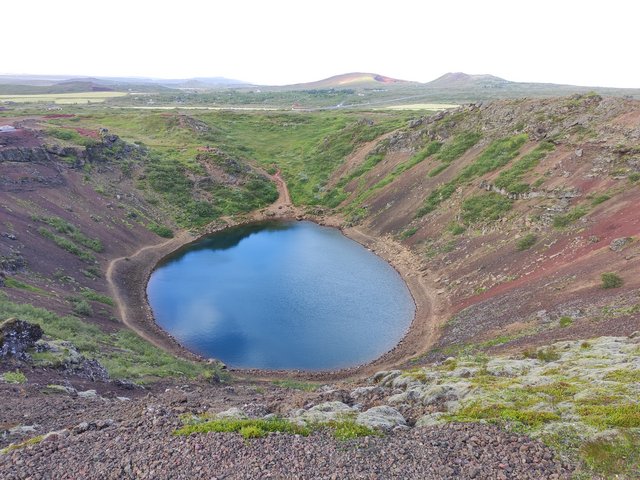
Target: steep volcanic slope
(515, 208)
(73, 199)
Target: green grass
(26, 443)
(624, 376)
(97, 297)
(348, 429)
(124, 354)
(11, 282)
(562, 221)
(67, 245)
(548, 354)
(438, 170)
(496, 155)
(511, 179)
(526, 242)
(458, 146)
(621, 415)
(499, 413)
(337, 195)
(614, 457)
(73, 232)
(409, 232)
(14, 377)
(345, 429)
(160, 230)
(456, 229)
(81, 307)
(565, 321)
(248, 428)
(487, 207)
(611, 280)
(70, 135)
(600, 199)
(296, 385)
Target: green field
(63, 98)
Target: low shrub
(611, 280)
(526, 242)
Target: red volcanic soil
(19, 138)
(85, 132)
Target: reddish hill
(350, 80)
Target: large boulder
(16, 337)
(382, 417)
(323, 413)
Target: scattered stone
(618, 244)
(23, 430)
(233, 412)
(88, 394)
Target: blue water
(281, 295)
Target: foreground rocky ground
(99, 437)
(542, 414)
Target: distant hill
(350, 80)
(48, 84)
(460, 80)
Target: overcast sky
(280, 42)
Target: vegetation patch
(561, 221)
(409, 232)
(14, 377)
(600, 199)
(160, 230)
(487, 208)
(248, 428)
(124, 354)
(11, 282)
(67, 245)
(615, 456)
(80, 306)
(296, 385)
(565, 321)
(497, 413)
(26, 443)
(511, 179)
(611, 280)
(526, 242)
(97, 297)
(496, 155)
(345, 429)
(458, 146)
(621, 415)
(73, 232)
(348, 429)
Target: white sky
(280, 41)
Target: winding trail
(284, 199)
(127, 315)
